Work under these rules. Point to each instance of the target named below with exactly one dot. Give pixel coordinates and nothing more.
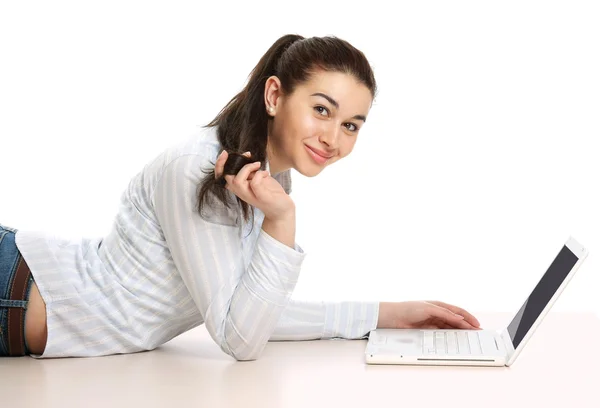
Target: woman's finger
(442, 324)
(242, 176)
(263, 174)
(458, 310)
(220, 164)
(228, 180)
(256, 181)
(448, 317)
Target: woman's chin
(309, 169)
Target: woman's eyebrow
(329, 98)
(337, 105)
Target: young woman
(206, 233)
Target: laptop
(479, 347)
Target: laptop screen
(541, 295)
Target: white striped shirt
(163, 269)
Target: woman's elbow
(246, 353)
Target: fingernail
(462, 317)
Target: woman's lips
(316, 156)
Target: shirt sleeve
(309, 320)
(240, 305)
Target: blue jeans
(12, 303)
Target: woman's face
(317, 124)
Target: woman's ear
(272, 94)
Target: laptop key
(474, 342)
(487, 342)
(440, 343)
(463, 343)
(428, 342)
(452, 343)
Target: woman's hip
(15, 287)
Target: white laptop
(478, 347)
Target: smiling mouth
(316, 156)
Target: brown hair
(242, 123)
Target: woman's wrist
(385, 318)
(283, 229)
(382, 315)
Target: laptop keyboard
(451, 342)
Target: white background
(478, 160)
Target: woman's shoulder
(203, 142)
(200, 147)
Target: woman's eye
(354, 129)
(320, 109)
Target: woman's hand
(257, 188)
(424, 315)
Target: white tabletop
(557, 368)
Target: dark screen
(541, 295)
